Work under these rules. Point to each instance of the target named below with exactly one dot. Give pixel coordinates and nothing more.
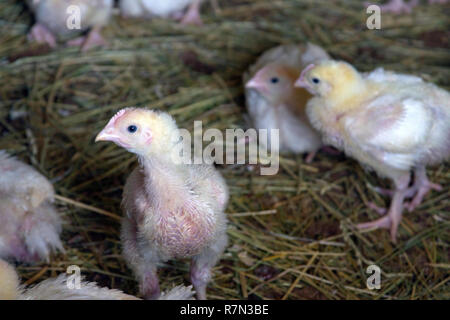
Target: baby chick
(30, 225)
(58, 289)
(399, 6)
(53, 18)
(274, 103)
(172, 210)
(390, 122)
(163, 8)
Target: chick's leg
(310, 156)
(40, 34)
(392, 219)
(145, 271)
(423, 186)
(202, 264)
(150, 283)
(192, 15)
(390, 193)
(93, 39)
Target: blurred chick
(399, 6)
(30, 225)
(174, 9)
(390, 122)
(274, 103)
(52, 21)
(57, 289)
(172, 210)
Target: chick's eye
(315, 80)
(274, 80)
(132, 129)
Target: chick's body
(53, 16)
(390, 122)
(172, 210)
(30, 225)
(163, 9)
(58, 289)
(274, 103)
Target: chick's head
(141, 131)
(274, 81)
(330, 79)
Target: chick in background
(52, 18)
(58, 289)
(174, 9)
(29, 224)
(392, 123)
(172, 210)
(274, 103)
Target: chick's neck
(347, 96)
(163, 175)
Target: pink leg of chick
(390, 193)
(192, 15)
(392, 219)
(145, 270)
(202, 264)
(150, 284)
(310, 156)
(422, 186)
(399, 6)
(93, 39)
(40, 34)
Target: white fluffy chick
(175, 9)
(274, 103)
(58, 289)
(30, 225)
(172, 209)
(392, 123)
(52, 18)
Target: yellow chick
(58, 289)
(175, 9)
(58, 18)
(30, 225)
(274, 103)
(172, 209)
(392, 123)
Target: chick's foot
(93, 39)
(380, 210)
(40, 34)
(423, 186)
(394, 215)
(192, 16)
(310, 156)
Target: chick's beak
(257, 84)
(107, 134)
(301, 81)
